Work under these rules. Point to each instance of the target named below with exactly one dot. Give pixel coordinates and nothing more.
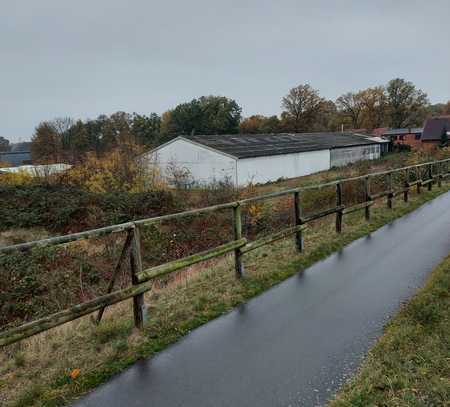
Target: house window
(402, 137)
(418, 136)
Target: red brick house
(431, 136)
(408, 136)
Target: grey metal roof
(15, 158)
(259, 145)
(394, 132)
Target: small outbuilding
(406, 136)
(436, 132)
(15, 158)
(258, 158)
(36, 170)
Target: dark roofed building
(435, 131)
(429, 137)
(402, 132)
(245, 158)
(15, 158)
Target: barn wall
(344, 156)
(204, 165)
(271, 168)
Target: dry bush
(119, 170)
(50, 279)
(16, 178)
(178, 177)
(21, 235)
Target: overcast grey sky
(87, 57)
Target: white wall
(204, 165)
(271, 168)
(344, 156)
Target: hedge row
(69, 209)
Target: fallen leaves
(74, 373)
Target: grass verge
(39, 371)
(410, 364)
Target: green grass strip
(410, 363)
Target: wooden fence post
(367, 197)
(440, 172)
(136, 268)
(418, 180)
(237, 229)
(339, 203)
(406, 191)
(298, 213)
(390, 194)
(123, 256)
(430, 177)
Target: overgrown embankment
(51, 368)
(59, 205)
(410, 364)
(48, 280)
(62, 208)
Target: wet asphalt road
(298, 342)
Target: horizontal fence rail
(425, 174)
(175, 265)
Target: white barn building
(258, 158)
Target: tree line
(397, 104)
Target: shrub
(16, 178)
(401, 147)
(118, 171)
(68, 208)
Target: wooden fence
(425, 174)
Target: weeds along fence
(365, 190)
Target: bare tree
(4, 144)
(177, 176)
(301, 105)
(374, 101)
(45, 144)
(50, 139)
(350, 105)
(446, 108)
(62, 124)
(407, 105)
